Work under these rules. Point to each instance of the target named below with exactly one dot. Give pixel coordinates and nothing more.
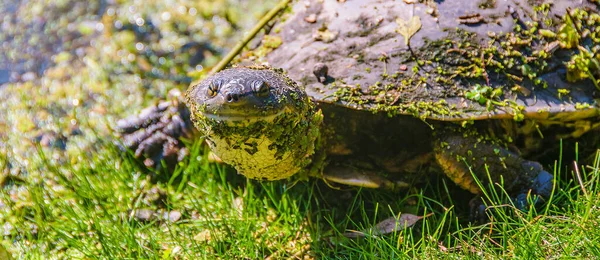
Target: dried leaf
(238, 205)
(389, 225)
(408, 29)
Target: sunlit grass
(93, 211)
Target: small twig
(415, 58)
(485, 74)
(240, 45)
(579, 179)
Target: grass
(109, 208)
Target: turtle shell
(444, 60)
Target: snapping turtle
(367, 93)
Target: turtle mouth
(238, 117)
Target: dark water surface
(33, 32)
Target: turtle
(375, 93)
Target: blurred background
(69, 68)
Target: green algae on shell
(511, 52)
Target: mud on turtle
(366, 93)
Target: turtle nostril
(232, 97)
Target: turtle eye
(213, 88)
(260, 88)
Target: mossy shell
(464, 59)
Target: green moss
(491, 74)
(272, 42)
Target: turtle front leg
(466, 154)
(155, 133)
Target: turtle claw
(543, 184)
(146, 117)
(156, 132)
(478, 211)
(161, 147)
(539, 191)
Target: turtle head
(257, 120)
